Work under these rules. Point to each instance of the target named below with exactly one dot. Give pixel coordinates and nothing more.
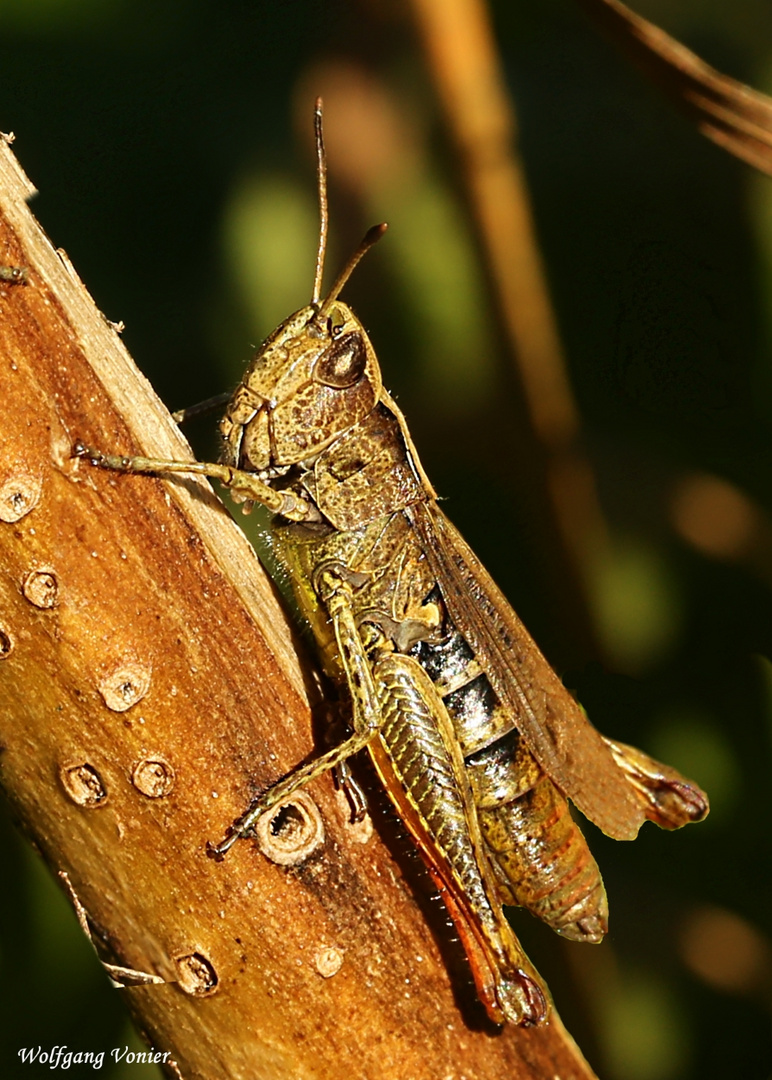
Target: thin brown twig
(728, 112)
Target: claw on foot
(522, 1000)
(214, 851)
(100, 460)
(95, 457)
(219, 851)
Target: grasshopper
(474, 737)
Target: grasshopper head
(313, 378)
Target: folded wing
(613, 787)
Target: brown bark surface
(149, 685)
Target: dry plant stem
(731, 114)
(148, 685)
(465, 65)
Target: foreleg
(243, 484)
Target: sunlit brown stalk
(149, 684)
(466, 67)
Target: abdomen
(538, 853)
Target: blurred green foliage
(161, 138)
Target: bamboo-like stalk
(464, 61)
(149, 684)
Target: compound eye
(336, 323)
(343, 363)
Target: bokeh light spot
(725, 951)
(645, 1036)
(637, 607)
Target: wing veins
(564, 742)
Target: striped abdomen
(539, 855)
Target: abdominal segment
(538, 854)
(541, 858)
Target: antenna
(324, 217)
(372, 236)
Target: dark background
(170, 142)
